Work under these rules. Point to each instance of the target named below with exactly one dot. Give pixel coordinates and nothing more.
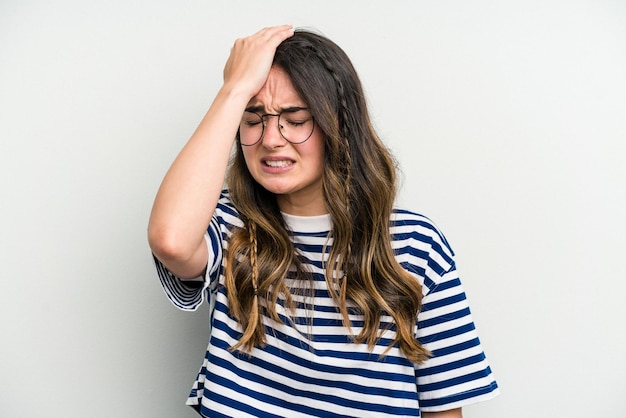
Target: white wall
(508, 119)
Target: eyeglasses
(294, 124)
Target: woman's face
(293, 172)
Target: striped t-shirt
(310, 367)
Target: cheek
(247, 155)
(316, 146)
(320, 159)
(320, 151)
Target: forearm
(190, 190)
(452, 413)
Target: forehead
(277, 93)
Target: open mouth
(277, 163)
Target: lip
(277, 169)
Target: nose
(272, 138)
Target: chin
(277, 189)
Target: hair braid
(253, 258)
(254, 322)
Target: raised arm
(190, 190)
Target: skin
(298, 185)
(188, 197)
(452, 413)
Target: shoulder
(408, 223)
(225, 211)
(420, 246)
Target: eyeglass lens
(294, 125)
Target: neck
(301, 206)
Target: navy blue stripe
(451, 316)
(228, 209)
(466, 345)
(454, 381)
(326, 368)
(459, 297)
(449, 284)
(327, 383)
(183, 295)
(434, 244)
(412, 268)
(460, 397)
(434, 260)
(299, 344)
(451, 366)
(415, 252)
(335, 400)
(421, 254)
(426, 223)
(447, 334)
(444, 302)
(342, 338)
(239, 406)
(311, 248)
(317, 264)
(318, 337)
(321, 234)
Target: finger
(251, 57)
(274, 29)
(276, 33)
(272, 35)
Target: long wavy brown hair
(359, 186)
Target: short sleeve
(457, 374)
(189, 294)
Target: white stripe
(181, 295)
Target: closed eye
(297, 117)
(250, 119)
(296, 123)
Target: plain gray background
(508, 120)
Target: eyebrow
(288, 109)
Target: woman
(325, 300)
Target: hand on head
(251, 58)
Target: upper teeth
(282, 163)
